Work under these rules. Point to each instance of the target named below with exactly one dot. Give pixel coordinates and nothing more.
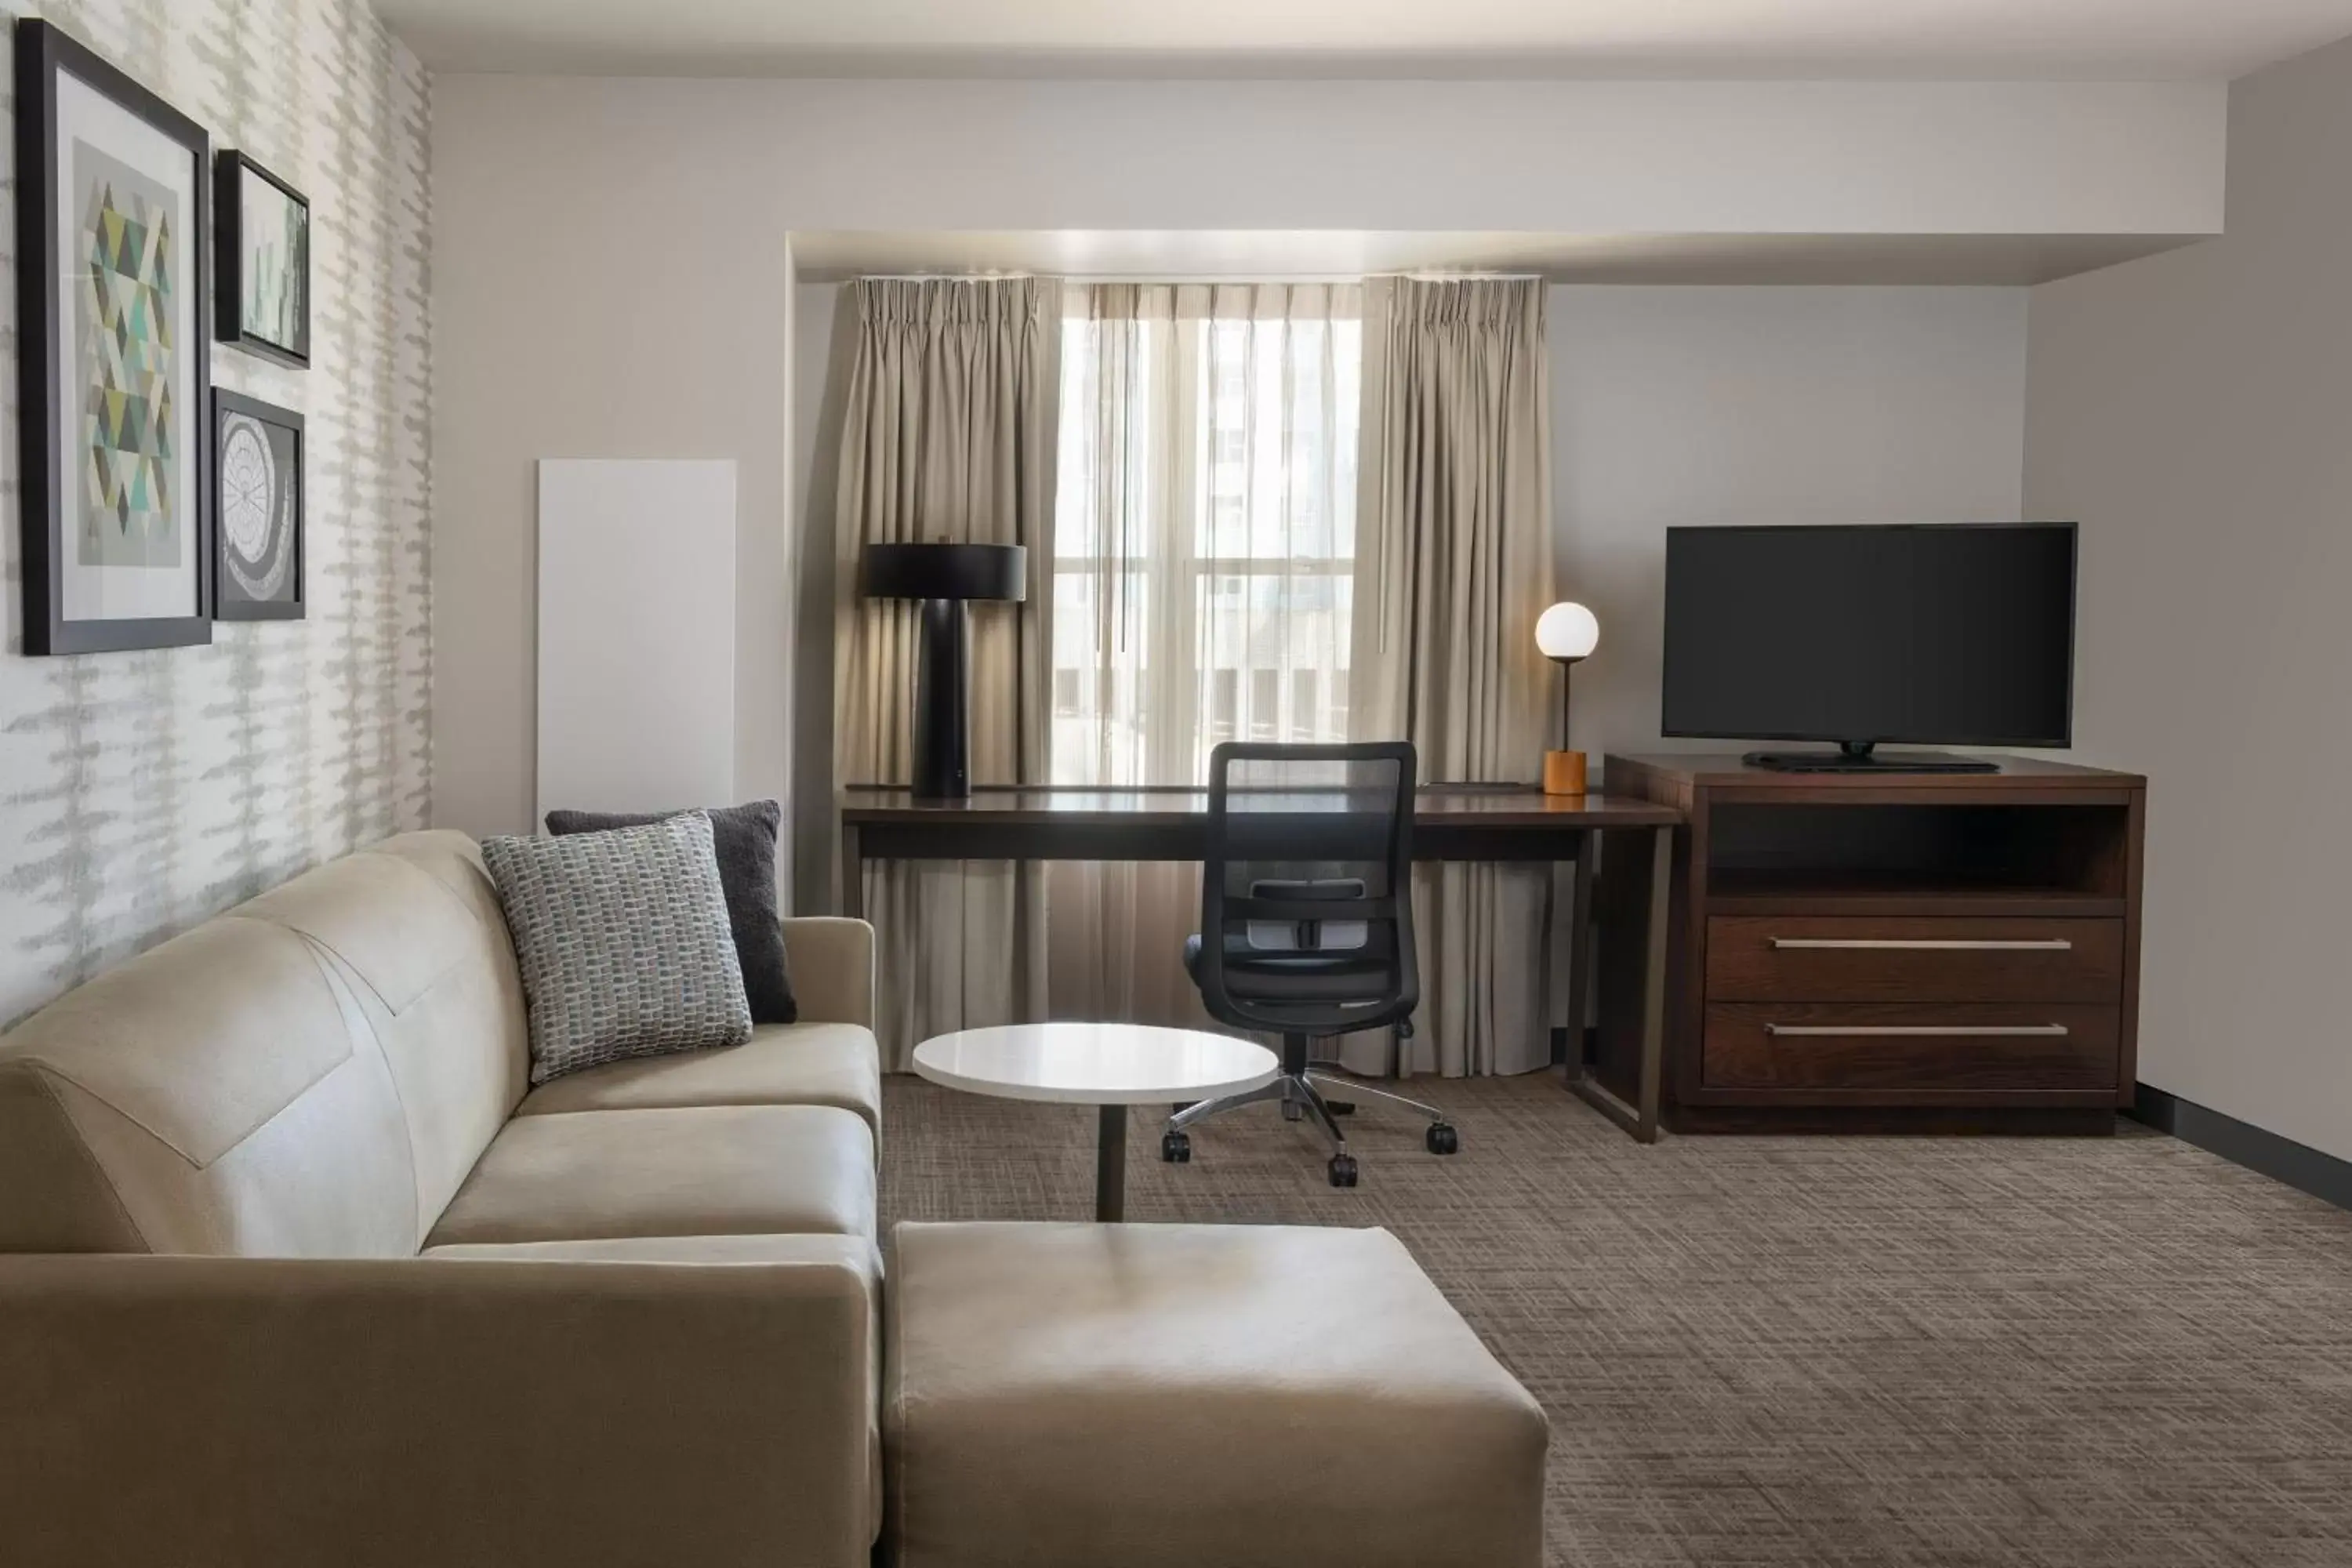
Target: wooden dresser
(1920, 952)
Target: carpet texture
(2073, 1353)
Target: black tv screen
(1957, 634)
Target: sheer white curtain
(1203, 579)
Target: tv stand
(1863, 757)
(1882, 950)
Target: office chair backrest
(1306, 895)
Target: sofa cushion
(215, 1094)
(309, 1076)
(782, 1064)
(1168, 1395)
(710, 1171)
(413, 931)
(622, 941)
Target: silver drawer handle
(2039, 1031)
(1932, 944)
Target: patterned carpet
(2071, 1352)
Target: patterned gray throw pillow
(744, 837)
(622, 941)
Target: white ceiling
(1952, 39)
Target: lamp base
(942, 719)
(1563, 773)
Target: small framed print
(263, 240)
(257, 509)
(112, 186)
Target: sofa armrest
(832, 963)
(202, 1411)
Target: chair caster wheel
(1343, 1170)
(1176, 1148)
(1442, 1139)
(1340, 1106)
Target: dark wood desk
(1463, 822)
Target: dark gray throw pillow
(623, 943)
(745, 839)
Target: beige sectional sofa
(296, 1269)
(296, 1275)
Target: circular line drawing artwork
(255, 509)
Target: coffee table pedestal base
(1110, 1165)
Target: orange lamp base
(1563, 773)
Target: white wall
(611, 277)
(596, 310)
(1761, 405)
(2195, 412)
(1590, 157)
(822, 345)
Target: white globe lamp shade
(1567, 632)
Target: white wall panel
(637, 635)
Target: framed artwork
(257, 509)
(263, 240)
(112, 353)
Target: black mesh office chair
(1307, 919)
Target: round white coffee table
(1112, 1065)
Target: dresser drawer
(1815, 958)
(1875, 1047)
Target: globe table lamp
(944, 578)
(1565, 632)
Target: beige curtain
(948, 433)
(1453, 565)
(1203, 565)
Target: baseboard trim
(2299, 1165)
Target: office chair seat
(1293, 976)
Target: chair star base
(1297, 1091)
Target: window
(1304, 685)
(1266, 704)
(1203, 546)
(1224, 703)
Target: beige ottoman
(1198, 1396)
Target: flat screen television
(1944, 634)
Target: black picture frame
(44, 56)
(233, 173)
(231, 599)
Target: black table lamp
(945, 577)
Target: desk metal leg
(1641, 1120)
(1110, 1165)
(853, 874)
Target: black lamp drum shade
(947, 572)
(944, 577)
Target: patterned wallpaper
(141, 792)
